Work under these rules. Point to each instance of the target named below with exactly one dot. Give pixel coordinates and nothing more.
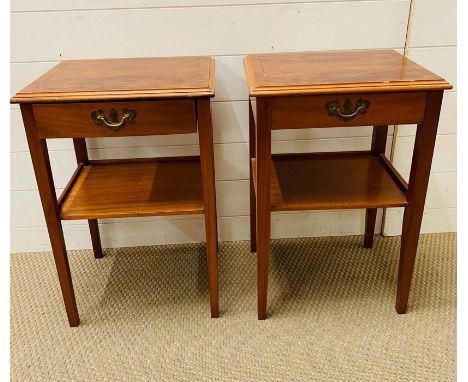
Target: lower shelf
(134, 187)
(320, 181)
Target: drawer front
(107, 119)
(300, 112)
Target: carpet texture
(145, 315)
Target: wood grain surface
(125, 188)
(319, 181)
(128, 78)
(337, 72)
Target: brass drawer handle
(333, 108)
(115, 125)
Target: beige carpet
(145, 315)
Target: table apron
(74, 120)
(300, 112)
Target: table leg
(371, 214)
(252, 155)
(205, 133)
(416, 195)
(82, 157)
(379, 142)
(263, 205)
(45, 183)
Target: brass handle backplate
(99, 118)
(333, 108)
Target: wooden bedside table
(115, 98)
(339, 89)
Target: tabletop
(127, 78)
(337, 72)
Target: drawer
(107, 119)
(300, 112)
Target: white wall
(432, 43)
(46, 32)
